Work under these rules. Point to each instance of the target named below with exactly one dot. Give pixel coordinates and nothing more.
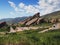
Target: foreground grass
(31, 37)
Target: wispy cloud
(43, 6)
(29, 8)
(12, 4)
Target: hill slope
(13, 20)
(53, 15)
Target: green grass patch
(31, 37)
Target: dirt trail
(45, 30)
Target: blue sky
(19, 8)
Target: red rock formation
(36, 19)
(31, 21)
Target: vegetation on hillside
(5, 29)
(52, 15)
(31, 37)
(43, 25)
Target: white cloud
(28, 9)
(48, 6)
(31, 9)
(12, 4)
(21, 5)
(43, 6)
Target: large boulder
(56, 26)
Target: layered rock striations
(32, 20)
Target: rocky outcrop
(53, 20)
(37, 15)
(36, 19)
(2, 24)
(31, 21)
(56, 26)
(25, 21)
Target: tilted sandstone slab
(31, 21)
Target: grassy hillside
(53, 15)
(31, 37)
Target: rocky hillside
(37, 19)
(33, 20)
(53, 16)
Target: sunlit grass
(31, 37)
